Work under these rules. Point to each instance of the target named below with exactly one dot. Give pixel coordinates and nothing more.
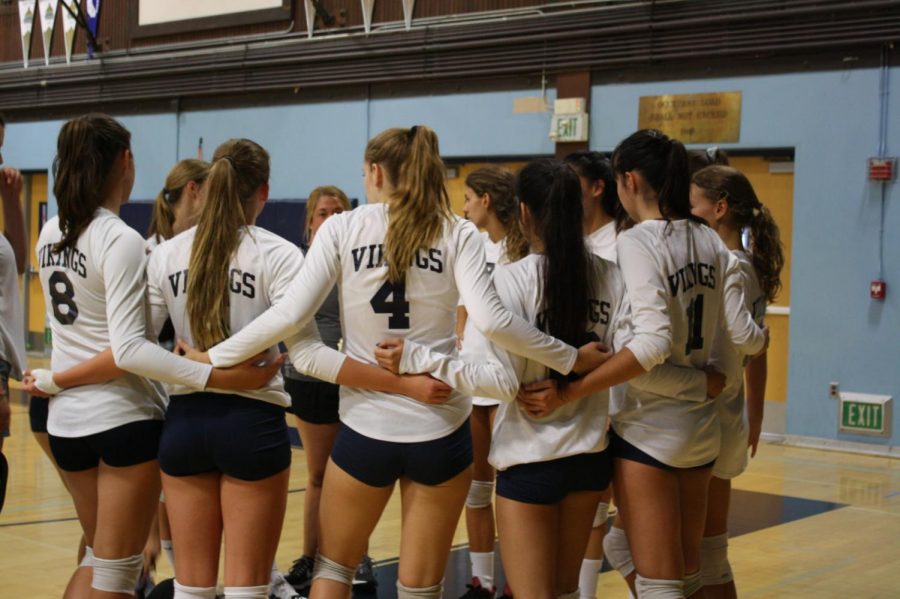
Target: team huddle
(599, 341)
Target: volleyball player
(315, 403)
(679, 278)
(724, 198)
(491, 205)
(105, 435)
(403, 261)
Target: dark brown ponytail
(500, 185)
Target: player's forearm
(756, 374)
(619, 369)
(14, 223)
(99, 369)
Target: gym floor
(805, 523)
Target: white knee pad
(331, 570)
(117, 575)
(481, 493)
(258, 592)
(432, 592)
(573, 595)
(692, 583)
(88, 560)
(602, 515)
(618, 552)
(714, 566)
(186, 592)
(655, 588)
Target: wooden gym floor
(806, 523)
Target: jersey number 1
(62, 297)
(695, 324)
(397, 307)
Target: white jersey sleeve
(645, 282)
(297, 304)
(121, 256)
(500, 325)
(747, 337)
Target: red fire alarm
(878, 289)
(882, 169)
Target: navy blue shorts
(381, 463)
(624, 450)
(547, 483)
(127, 445)
(240, 437)
(38, 410)
(315, 402)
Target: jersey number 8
(62, 294)
(397, 307)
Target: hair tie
(229, 159)
(711, 153)
(167, 195)
(412, 132)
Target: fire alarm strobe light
(882, 169)
(878, 289)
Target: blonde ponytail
(239, 168)
(419, 205)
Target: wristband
(43, 380)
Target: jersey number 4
(62, 294)
(695, 324)
(397, 307)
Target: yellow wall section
(776, 191)
(36, 296)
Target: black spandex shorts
(315, 402)
(624, 450)
(547, 483)
(240, 437)
(38, 410)
(127, 445)
(381, 463)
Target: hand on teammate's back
(249, 374)
(182, 348)
(539, 399)
(715, 382)
(590, 356)
(388, 354)
(427, 389)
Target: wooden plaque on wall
(694, 118)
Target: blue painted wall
(830, 118)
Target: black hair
(663, 163)
(594, 166)
(551, 191)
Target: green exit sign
(865, 413)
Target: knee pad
(88, 560)
(602, 515)
(714, 566)
(481, 493)
(331, 570)
(618, 552)
(186, 592)
(258, 592)
(692, 583)
(573, 595)
(117, 575)
(432, 592)
(655, 588)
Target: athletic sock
(483, 568)
(588, 577)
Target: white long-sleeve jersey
(575, 428)
(349, 251)
(683, 285)
(602, 242)
(494, 255)
(95, 301)
(260, 272)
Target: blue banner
(92, 11)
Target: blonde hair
(163, 219)
(312, 201)
(418, 205)
(239, 168)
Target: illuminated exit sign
(866, 414)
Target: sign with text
(694, 118)
(865, 413)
